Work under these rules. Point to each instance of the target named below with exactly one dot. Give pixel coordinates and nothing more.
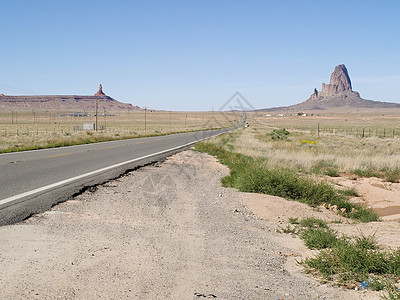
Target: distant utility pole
(145, 118)
(105, 121)
(170, 120)
(97, 108)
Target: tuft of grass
(365, 242)
(354, 261)
(387, 174)
(249, 174)
(319, 238)
(289, 230)
(347, 260)
(337, 221)
(325, 167)
(313, 223)
(366, 172)
(392, 175)
(349, 192)
(392, 292)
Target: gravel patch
(166, 231)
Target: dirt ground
(170, 231)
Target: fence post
(318, 128)
(363, 133)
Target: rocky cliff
(339, 93)
(339, 86)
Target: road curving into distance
(33, 181)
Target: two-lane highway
(33, 181)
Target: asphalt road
(33, 181)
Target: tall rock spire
(100, 91)
(340, 82)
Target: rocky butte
(337, 94)
(64, 102)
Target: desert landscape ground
(24, 130)
(200, 150)
(366, 166)
(315, 186)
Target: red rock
(100, 91)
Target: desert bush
(279, 134)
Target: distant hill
(64, 102)
(336, 95)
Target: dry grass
(30, 130)
(305, 152)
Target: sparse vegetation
(250, 174)
(347, 261)
(351, 261)
(328, 154)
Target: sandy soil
(167, 231)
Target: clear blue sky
(193, 55)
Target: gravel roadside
(166, 231)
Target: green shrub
(279, 134)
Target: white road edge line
(59, 183)
(99, 143)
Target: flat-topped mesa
(64, 102)
(100, 91)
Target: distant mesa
(64, 102)
(337, 94)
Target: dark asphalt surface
(25, 171)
